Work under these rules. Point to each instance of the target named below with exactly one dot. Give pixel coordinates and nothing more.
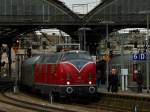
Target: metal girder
(36, 12)
(121, 12)
(19, 16)
(22, 16)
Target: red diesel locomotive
(63, 73)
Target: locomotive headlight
(68, 83)
(90, 82)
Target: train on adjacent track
(62, 73)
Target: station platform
(129, 99)
(129, 92)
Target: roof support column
(9, 59)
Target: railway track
(107, 103)
(5, 99)
(88, 107)
(101, 106)
(29, 105)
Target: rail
(6, 99)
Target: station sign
(139, 56)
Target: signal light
(17, 42)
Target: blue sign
(139, 56)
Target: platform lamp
(147, 12)
(82, 39)
(107, 23)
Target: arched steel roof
(120, 12)
(65, 8)
(37, 12)
(19, 16)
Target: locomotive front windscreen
(76, 55)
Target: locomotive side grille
(40, 69)
(48, 68)
(51, 69)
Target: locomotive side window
(76, 55)
(40, 59)
(32, 60)
(49, 58)
(53, 58)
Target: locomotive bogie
(65, 90)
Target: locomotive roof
(72, 51)
(49, 57)
(76, 51)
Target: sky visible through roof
(81, 6)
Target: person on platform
(109, 82)
(113, 81)
(98, 78)
(139, 81)
(98, 72)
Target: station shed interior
(19, 17)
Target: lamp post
(122, 64)
(147, 61)
(107, 63)
(147, 45)
(82, 39)
(107, 39)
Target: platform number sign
(139, 56)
